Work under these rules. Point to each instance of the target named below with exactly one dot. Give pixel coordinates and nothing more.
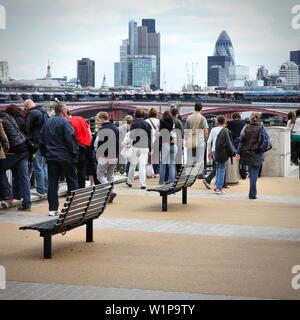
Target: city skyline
(65, 31)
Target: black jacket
(16, 138)
(141, 133)
(58, 141)
(224, 146)
(35, 121)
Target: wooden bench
(186, 178)
(81, 208)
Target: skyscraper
(154, 50)
(133, 38)
(224, 47)
(150, 24)
(86, 72)
(142, 41)
(117, 74)
(262, 73)
(124, 51)
(222, 61)
(217, 77)
(142, 71)
(4, 72)
(295, 57)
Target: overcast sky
(66, 30)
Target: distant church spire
(48, 75)
(104, 84)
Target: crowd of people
(153, 146)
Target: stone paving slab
(202, 229)
(37, 291)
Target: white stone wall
(277, 161)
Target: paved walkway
(38, 291)
(216, 247)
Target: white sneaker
(53, 213)
(4, 205)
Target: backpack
(265, 143)
(46, 116)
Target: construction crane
(191, 76)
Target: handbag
(150, 171)
(127, 151)
(32, 146)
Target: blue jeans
(169, 152)
(41, 173)
(253, 175)
(18, 163)
(220, 175)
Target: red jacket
(82, 131)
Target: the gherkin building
(224, 47)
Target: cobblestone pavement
(38, 291)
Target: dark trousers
(55, 170)
(2, 181)
(81, 170)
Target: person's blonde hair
(103, 115)
(255, 117)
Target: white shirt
(296, 128)
(211, 143)
(155, 132)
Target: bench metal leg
(184, 196)
(89, 231)
(164, 203)
(47, 246)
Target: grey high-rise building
(223, 62)
(154, 50)
(133, 38)
(117, 73)
(262, 73)
(224, 47)
(217, 77)
(86, 72)
(124, 51)
(143, 41)
(150, 24)
(149, 44)
(295, 57)
(4, 72)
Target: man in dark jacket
(108, 151)
(58, 143)
(17, 160)
(36, 118)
